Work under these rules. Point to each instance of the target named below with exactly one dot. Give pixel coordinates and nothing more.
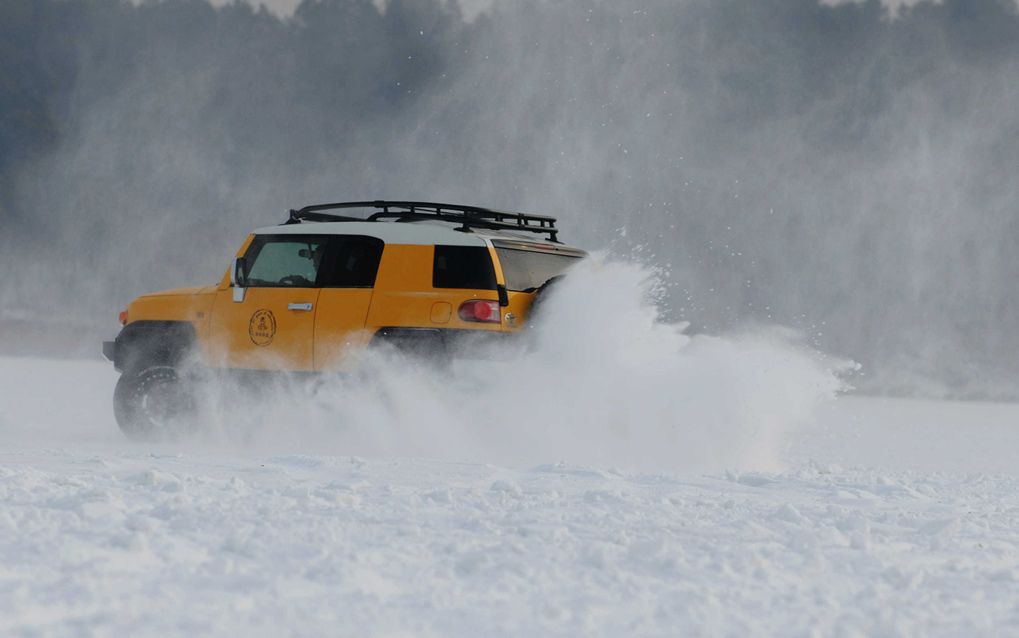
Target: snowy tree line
(826, 168)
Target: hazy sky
(286, 7)
(472, 7)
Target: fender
(143, 344)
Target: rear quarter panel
(404, 296)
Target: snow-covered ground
(660, 486)
(102, 536)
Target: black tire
(540, 298)
(156, 403)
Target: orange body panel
(519, 306)
(339, 327)
(193, 305)
(264, 331)
(181, 304)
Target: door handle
(299, 306)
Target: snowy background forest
(846, 171)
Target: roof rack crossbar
(467, 216)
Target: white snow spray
(602, 381)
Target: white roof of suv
(416, 233)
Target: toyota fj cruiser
(311, 294)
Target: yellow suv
(311, 294)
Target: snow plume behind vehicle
(603, 381)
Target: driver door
(271, 325)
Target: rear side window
(527, 270)
(351, 262)
(463, 267)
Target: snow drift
(602, 381)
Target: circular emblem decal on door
(262, 327)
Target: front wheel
(154, 404)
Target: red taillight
(123, 317)
(480, 310)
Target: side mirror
(239, 272)
(239, 277)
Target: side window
(285, 260)
(351, 262)
(463, 267)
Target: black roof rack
(467, 216)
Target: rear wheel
(155, 403)
(540, 298)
